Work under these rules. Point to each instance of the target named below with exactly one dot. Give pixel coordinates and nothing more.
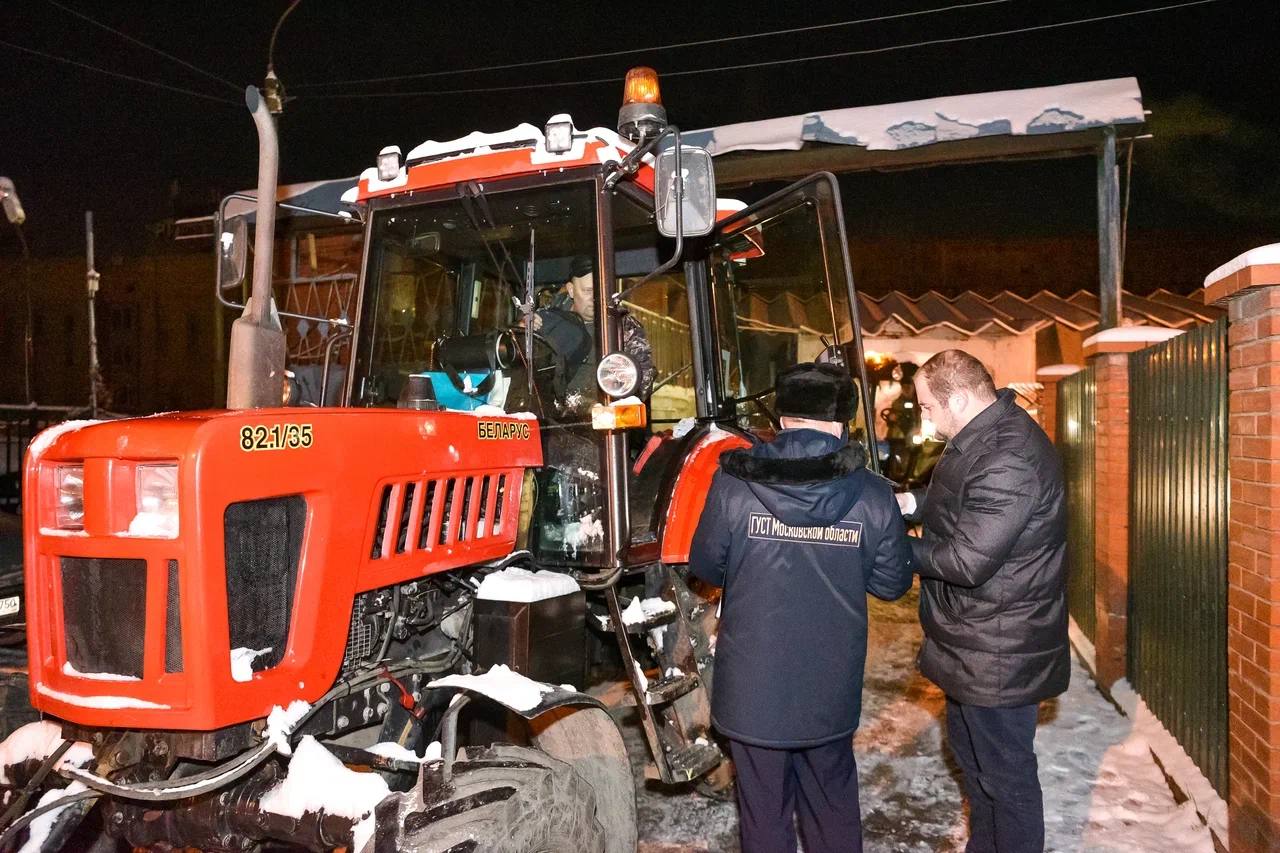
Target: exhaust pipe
(255, 370)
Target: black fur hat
(819, 392)
(581, 265)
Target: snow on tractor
(360, 625)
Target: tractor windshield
(490, 298)
(443, 296)
(781, 295)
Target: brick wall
(1253, 574)
(1111, 519)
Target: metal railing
(1077, 434)
(18, 425)
(1179, 507)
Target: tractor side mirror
(694, 190)
(233, 252)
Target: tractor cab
(527, 272)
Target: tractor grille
(173, 623)
(263, 541)
(104, 612)
(419, 516)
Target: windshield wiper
(471, 195)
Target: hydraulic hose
(22, 822)
(37, 780)
(234, 769)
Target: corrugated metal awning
(972, 315)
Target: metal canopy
(746, 167)
(1075, 119)
(1050, 121)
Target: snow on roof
(890, 127)
(1261, 256)
(609, 147)
(1132, 334)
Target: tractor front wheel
(504, 799)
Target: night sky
(74, 139)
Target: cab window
(780, 295)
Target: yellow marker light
(641, 87)
(621, 415)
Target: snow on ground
(1103, 791)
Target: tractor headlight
(157, 502)
(617, 375)
(389, 163)
(69, 514)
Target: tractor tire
(589, 740)
(502, 799)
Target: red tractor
(356, 625)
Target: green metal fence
(1178, 515)
(1076, 433)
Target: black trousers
(816, 787)
(995, 749)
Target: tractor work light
(69, 514)
(157, 502)
(558, 134)
(389, 162)
(617, 375)
(642, 115)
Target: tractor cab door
(781, 291)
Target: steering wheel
(518, 336)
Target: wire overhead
(117, 74)
(611, 53)
(749, 65)
(146, 46)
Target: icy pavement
(1103, 791)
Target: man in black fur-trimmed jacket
(798, 531)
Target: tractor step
(653, 618)
(670, 688)
(694, 760)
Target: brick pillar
(1049, 377)
(1252, 294)
(1108, 353)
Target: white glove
(906, 502)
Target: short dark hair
(954, 370)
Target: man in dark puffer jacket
(992, 592)
(798, 531)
